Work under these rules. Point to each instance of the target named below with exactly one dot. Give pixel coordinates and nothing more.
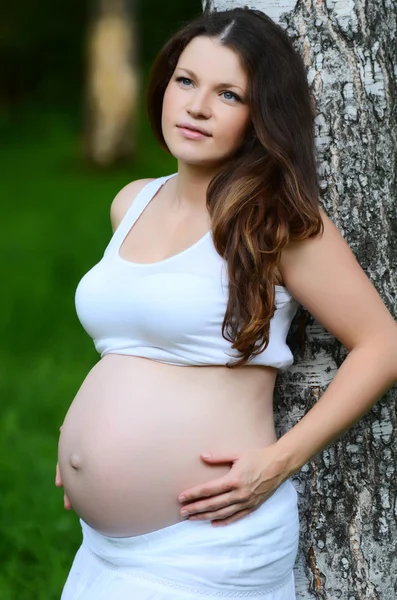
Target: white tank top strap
(141, 200)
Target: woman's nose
(199, 106)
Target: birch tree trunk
(348, 493)
(113, 82)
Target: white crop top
(172, 310)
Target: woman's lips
(191, 134)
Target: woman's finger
(58, 482)
(210, 505)
(66, 502)
(223, 513)
(236, 517)
(58, 479)
(216, 487)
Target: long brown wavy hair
(267, 192)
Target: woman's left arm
(324, 276)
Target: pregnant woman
(189, 309)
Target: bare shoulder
(125, 197)
(323, 275)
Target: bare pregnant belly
(132, 438)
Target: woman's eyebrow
(192, 74)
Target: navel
(75, 462)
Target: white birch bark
(113, 82)
(348, 493)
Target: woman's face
(208, 89)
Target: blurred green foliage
(55, 227)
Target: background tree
(113, 82)
(348, 502)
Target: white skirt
(250, 558)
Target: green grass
(55, 227)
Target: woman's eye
(233, 96)
(183, 80)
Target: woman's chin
(198, 159)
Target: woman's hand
(58, 482)
(252, 479)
